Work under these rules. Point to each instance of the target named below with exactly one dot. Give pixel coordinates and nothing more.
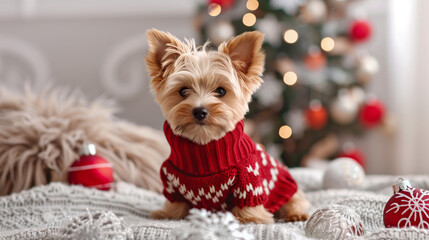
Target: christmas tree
(316, 73)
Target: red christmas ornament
(316, 115)
(223, 3)
(315, 60)
(91, 170)
(354, 154)
(408, 207)
(360, 30)
(371, 113)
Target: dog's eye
(220, 91)
(182, 91)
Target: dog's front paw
(257, 220)
(296, 217)
(159, 214)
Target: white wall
(94, 45)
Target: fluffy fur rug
(41, 135)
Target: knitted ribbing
(212, 157)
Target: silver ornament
(334, 222)
(270, 26)
(220, 31)
(212, 226)
(270, 92)
(368, 67)
(343, 173)
(344, 108)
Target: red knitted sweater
(231, 171)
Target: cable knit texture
(59, 211)
(231, 171)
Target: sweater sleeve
(248, 190)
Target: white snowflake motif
(416, 204)
(214, 226)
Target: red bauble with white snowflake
(91, 170)
(408, 207)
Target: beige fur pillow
(41, 136)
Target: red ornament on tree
(316, 115)
(360, 30)
(355, 154)
(371, 114)
(408, 207)
(223, 3)
(315, 60)
(91, 170)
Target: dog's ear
(164, 49)
(246, 57)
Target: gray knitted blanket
(59, 211)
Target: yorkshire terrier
(213, 164)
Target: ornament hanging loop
(401, 184)
(88, 149)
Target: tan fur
(174, 64)
(296, 209)
(41, 136)
(176, 210)
(256, 214)
(237, 67)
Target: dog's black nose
(200, 113)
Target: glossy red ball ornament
(408, 207)
(371, 113)
(354, 154)
(91, 170)
(360, 30)
(316, 115)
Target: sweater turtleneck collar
(212, 157)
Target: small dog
(204, 96)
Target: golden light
(252, 5)
(327, 44)
(285, 132)
(249, 19)
(290, 78)
(214, 9)
(291, 36)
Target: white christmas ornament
(220, 31)
(334, 222)
(270, 91)
(212, 226)
(289, 6)
(315, 11)
(344, 108)
(269, 25)
(368, 67)
(343, 173)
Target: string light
(327, 44)
(290, 78)
(252, 5)
(285, 132)
(291, 36)
(249, 19)
(214, 9)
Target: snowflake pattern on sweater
(232, 171)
